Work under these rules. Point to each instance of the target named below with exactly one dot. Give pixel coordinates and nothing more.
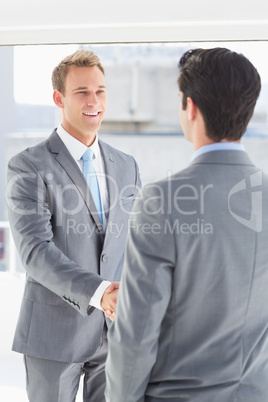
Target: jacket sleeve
(144, 296)
(30, 222)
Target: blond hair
(81, 58)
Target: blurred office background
(141, 119)
(142, 113)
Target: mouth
(93, 114)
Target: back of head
(225, 87)
(81, 58)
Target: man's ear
(58, 98)
(191, 109)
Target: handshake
(109, 299)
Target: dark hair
(224, 85)
(81, 58)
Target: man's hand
(109, 299)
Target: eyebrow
(86, 88)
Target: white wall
(106, 21)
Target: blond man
(66, 238)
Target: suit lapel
(64, 158)
(110, 174)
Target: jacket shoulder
(31, 154)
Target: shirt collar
(76, 147)
(218, 146)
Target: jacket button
(104, 258)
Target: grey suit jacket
(192, 316)
(63, 247)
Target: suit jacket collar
(65, 159)
(225, 157)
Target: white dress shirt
(77, 149)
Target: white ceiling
(106, 21)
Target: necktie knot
(88, 155)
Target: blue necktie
(92, 181)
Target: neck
(201, 141)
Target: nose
(92, 100)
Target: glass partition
(141, 119)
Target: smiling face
(83, 104)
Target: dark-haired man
(192, 317)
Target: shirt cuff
(96, 298)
